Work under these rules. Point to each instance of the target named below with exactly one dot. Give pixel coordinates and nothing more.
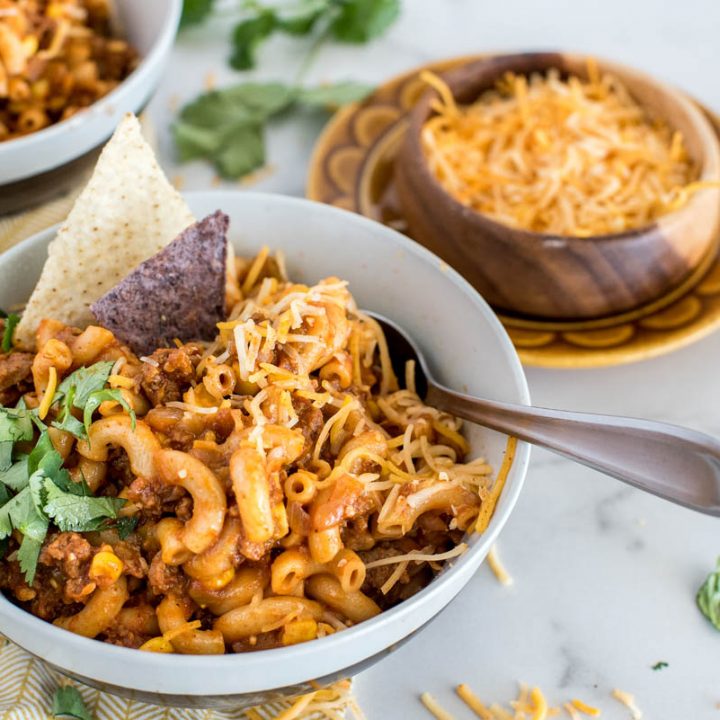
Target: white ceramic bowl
(467, 348)
(150, 26)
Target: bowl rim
(420, 112)
(114, 98)
(146, 665)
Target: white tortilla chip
(127, 212)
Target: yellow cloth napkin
(27, 687)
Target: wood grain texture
(560, 277)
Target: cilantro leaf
(66, 420)
(20, 513)
(100, 396)
(244, 104)
(11, 322)
(28, 555)
(248, 35)
(708, 597)
(16, 476)
(43, 455)
(68, 702)
(242, 153)
(85, 390)
(125, 526)
(303, 19)
(15, 425)
(195, 12)
(78, 513)
(37, 492)
(86, 380)
(227, 126)
(660, 665)
(69, 423)
(331, 97)
(362, 20)
(6, 448)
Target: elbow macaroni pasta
(273, 474)
(56, 58)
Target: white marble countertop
(605, 577)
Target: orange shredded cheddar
(555, 155)
(584, 708)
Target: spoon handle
(672, 462)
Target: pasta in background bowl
(468, 349)
(45, 163)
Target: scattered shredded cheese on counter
(568, 156)
(434, 708)
(530, 704)
(498, 568)
(584, 708)
(628, 701)
(334, 702)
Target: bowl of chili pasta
(70, 69)
(271, 507)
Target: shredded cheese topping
(628, 701)
(576, 157)
(49, 393)
(416, 556)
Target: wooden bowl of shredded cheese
(562, 187)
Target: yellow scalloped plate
(352, 168)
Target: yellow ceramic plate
(352, 168)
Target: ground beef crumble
(15, 376)
(164, 579)
(173, 374)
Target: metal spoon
(672, 462)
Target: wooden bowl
(553, 276)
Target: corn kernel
(158, 645)
(299, 631)
(106, 565)
(120, 381)
(40, 89)
(219, 581)
(56, 11)
(30, 45)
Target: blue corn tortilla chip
(177, 293)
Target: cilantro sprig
(85, 390)
(35, 489)
(69, 703)
(348, 21)
(227, 127)
(708, 597)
